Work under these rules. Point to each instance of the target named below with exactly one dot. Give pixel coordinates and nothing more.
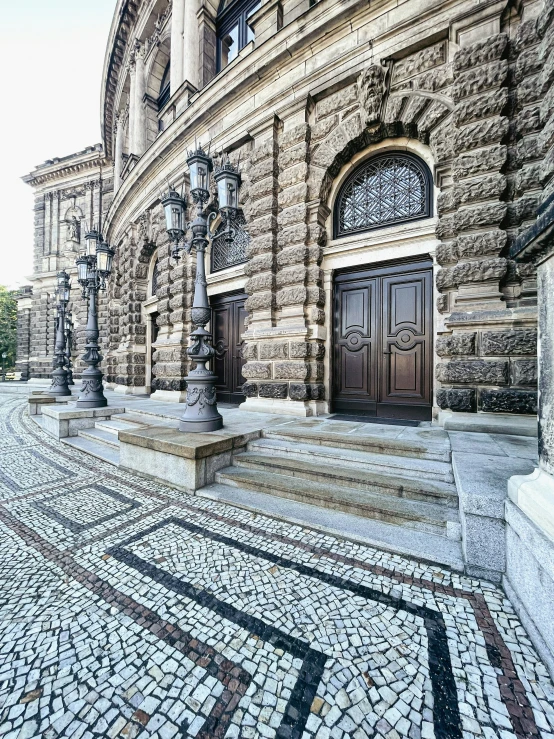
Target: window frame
(165, 92)
(234, 14)
(413, 159)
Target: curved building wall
(321, 88)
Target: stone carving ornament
(371, 89)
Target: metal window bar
(385, 190)
(228, 254)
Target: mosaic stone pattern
(129, 609)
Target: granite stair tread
(97, 449)
(116, 424)
(435, 450)
(143, 419)
(433, 491)
(409, 542)
(430, 517)
(360, 459)
(100, 436)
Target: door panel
(406, 338)
(383, 336)
(228, 318)
(355, 344)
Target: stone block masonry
(488, 301)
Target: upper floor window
(233, 29)
(385, 190)
(165, 91)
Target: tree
(8, 325)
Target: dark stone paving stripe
(512, 691)
(446, 715)
(235, 679)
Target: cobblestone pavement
(130, 609)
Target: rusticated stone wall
(487, 353)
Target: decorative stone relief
(371, 88)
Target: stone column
(140, 88)
(191, 42)
(118, 157)
(177, 45)
(534, 494)
(132, 106)
(24, 307)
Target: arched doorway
(383, 311)
(150, 308)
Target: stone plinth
(68, 421)
(36, 402)
(530, 512)
(481, 482)
(184, 460)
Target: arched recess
(156, 74)
(417, 123)
(150, 317)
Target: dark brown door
(383, 340)
(228, 318)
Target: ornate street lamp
(201, 413)
(69, 347)
(59, 375)
(93, 269)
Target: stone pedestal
(37, 401)
(187, 461)
(534, 494)
(68, 421)
(529, 577)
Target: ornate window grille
(227, 254)
(387, 189)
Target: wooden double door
(383, 341)
(228, 318)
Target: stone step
(429, 491)
(408, 542)
(428, 517)
(144, 419)
(374, 444)
(401, 466)
(118, 423)
(100, 436)
(97, 449)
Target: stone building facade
(333, 111)
(71, 193)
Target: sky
(51, 59)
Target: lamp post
(59, 375)
(201, 412)
(4, 355)
(93, 269)
(69, 346)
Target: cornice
(92, 158)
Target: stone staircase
(394, 490)
(397, 494)
(101, 441)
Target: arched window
(164, 95)
(385, 190)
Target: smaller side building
(71, 194)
